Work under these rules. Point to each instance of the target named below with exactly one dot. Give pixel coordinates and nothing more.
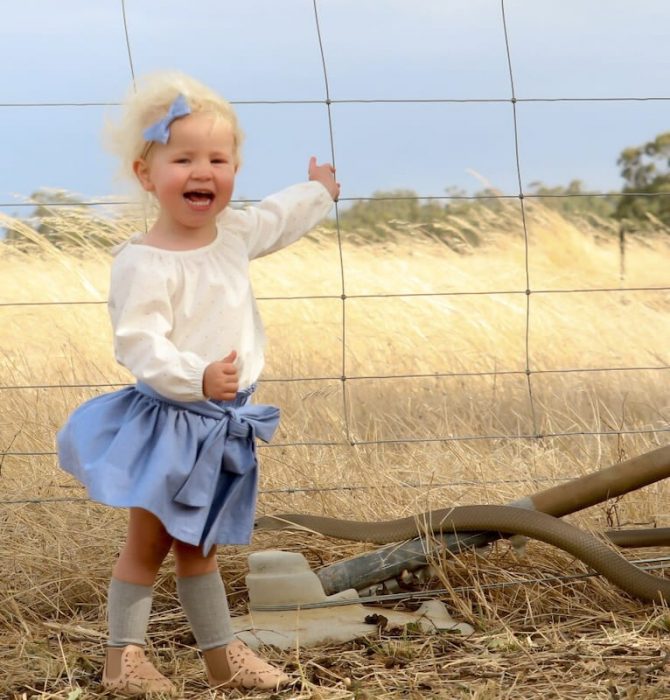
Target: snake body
(507, 520)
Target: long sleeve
(283, 218)
(142, 316)
(175, 312)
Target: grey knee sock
(204, 601)
(128, 609)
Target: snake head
(270, 522)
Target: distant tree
(383, 207)
(63, 220)
(407, 207)
(573, 200)
(646, 170)
(43, 217)
(463, 204)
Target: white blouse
(175, 312)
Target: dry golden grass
(566, 639)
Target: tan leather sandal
(128, 672)
(236, 666)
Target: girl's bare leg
(202, 594)
(190, 561)
(145, 549)
(127, 670)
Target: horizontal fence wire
(527, 372)
(418, 440)
(381, 295)
(376, 100)
(291, 490)
(375, 198)
(369, 377)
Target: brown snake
(591, 550)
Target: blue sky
(75, 51)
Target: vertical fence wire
(345, 403)
(130, 53)
(522, 208)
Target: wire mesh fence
(347, 377)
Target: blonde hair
(150, 101)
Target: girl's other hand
(220, 380)
(325, 174)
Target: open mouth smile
(199, 199)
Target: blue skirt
(192, 464)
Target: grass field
(436, 398)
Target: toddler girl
(177, 448)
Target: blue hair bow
(160, 131)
